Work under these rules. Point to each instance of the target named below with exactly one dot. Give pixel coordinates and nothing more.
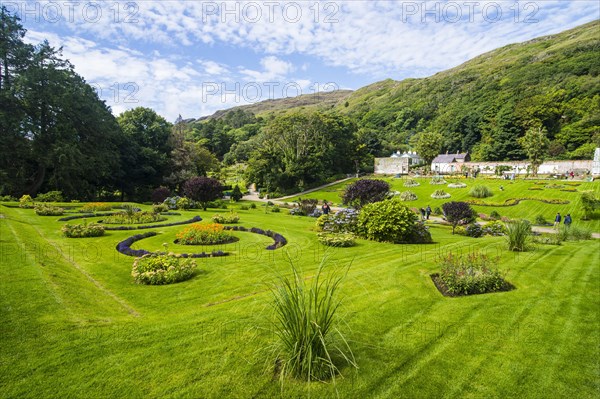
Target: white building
(449, 163)
(397, 163)
(596, 163)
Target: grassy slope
(518, 189)
(74, 325)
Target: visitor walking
(568, 220)
(557, 220)
(427, 211)
(422, 213)
(326, 208)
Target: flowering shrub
(408, 196)
(457, 185)
(48, 210)
(420, 234)
(440, 194)
(82, 230)
(474, 230)
(232, 217)
(95, 207)
(296, 212)
(495, 228)
(316, 213)
(470, 274)
(133, 218)
(162, 269)
(336, 239)
(203, 234)
(185, 203)
(343, 221)
(437, 180)
(411, 183)
(160, 208)
(26, 202)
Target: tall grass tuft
(517, 236)
(309, 345)
(480, 191)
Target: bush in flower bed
(343, 221)
(203, 234)
(440, 194)
(230, 218)
(411, 183)
(48, 210)
(50, 196)
(437, 181)
(388, 221)
(82, 230)
(336, 239)
(95, 207)
(469, 274)
(408, 196)
(495, 228)
(195, 219)
(154, 269)
(160, 208)
(474, 230)
(26, 202)
(133, 218)
(457, 185)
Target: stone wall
(547, 168)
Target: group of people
(558, 219)
(425, 212)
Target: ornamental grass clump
(480, 191)
(154, 269)
(203, 234)
(518, 233)
(309, 345)
(474, 273)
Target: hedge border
(280, 240)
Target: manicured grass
(517, 189)
(74, 324)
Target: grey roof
(449, 158)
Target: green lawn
(73, 324)
(517, 189)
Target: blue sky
(196, 57)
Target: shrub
(160, 208)
(217, 204)
(458, 213)
(408, 196)
(203, 190)
(133, 218)
(460, 230)
(203, 234)
(420, 234)
(276, 209)
(306, 318)
(540, 220)
(547, 239)
(480, 191)
(160, 194)
(343, 221)
(495, 228)
(457, 185)
(440, 194)
(573, 233)
(230, 218)
(50, 196)
(7, 198)
(590, 203)
(26, 202)
(411, 183)
(48, 210)
(306, 206)
(517, 235)
(236, 194)
(154, 269)
(336, 239)
(82, 230)
(494, 215)
(92, 207)
(244, 207)
(252, 206)
(365, 191)
(474, 230)
(470, 274)
(185, 203)
(437, 211)
(388, 221)
(316, 213)
(437, 181)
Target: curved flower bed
(457, 185)
(124, 247)
(280, 240)
(516, 201)
(86, 215)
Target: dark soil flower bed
(280, 240)
(124, 247)
(195, 219)
(229, 240)
(439, 284)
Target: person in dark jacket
(557, 220)
(326, 208)
(427, 212)
(568, 220)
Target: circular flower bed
(204, 234)
(440, 194)
(408, 196)
(133, 218)
(437, 181)
(457, 185)
(162, 269)
(411, 183)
